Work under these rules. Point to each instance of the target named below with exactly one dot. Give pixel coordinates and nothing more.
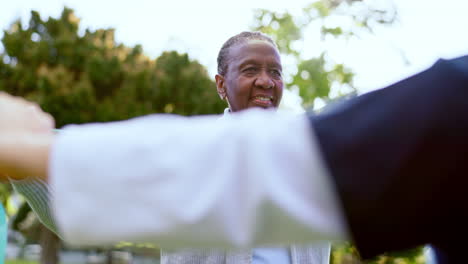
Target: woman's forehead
(253, 50)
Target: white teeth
(263, 98)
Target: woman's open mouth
(263, 101)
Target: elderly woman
(249, 75)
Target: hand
(25, 138)
(20, 116)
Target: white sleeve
(255, 178)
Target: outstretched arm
(254, 179)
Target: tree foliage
(89, 77)
(340, 20)
(346, 253)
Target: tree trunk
(109, 256)
(50, 245)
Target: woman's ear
(220, 86)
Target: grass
(20, 261)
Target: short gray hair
(237, 39)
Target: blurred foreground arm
(255, 178)
(398, 158)
(176, 181)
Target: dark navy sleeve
(399, 158)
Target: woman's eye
(276, 73)
(250, 70)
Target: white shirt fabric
(145, 180)
(271, 256)
(281, 255)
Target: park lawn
(20, 261)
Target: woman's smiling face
(253, 77)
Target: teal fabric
(3, 234)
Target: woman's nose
(264, 81)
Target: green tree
(90, 77)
